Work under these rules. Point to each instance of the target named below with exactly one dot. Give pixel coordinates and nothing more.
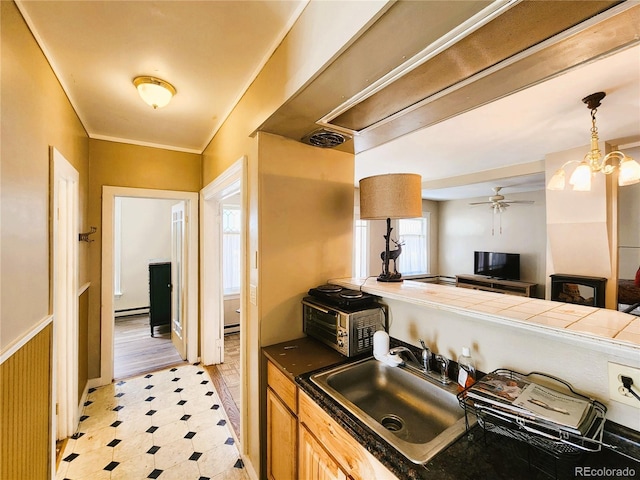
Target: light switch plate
(253, 294)
(616, 390)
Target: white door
(178, 335)
(65, 294)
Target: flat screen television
(504, 266)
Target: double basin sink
(405, 408)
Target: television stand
(512, 287)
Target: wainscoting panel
(25, 409)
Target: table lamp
(394, 195)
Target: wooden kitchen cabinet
(282, 426)
(306, 443)
(315, 463)
(337, 444)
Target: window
(361, 248)
(414, 257)
(231, 219)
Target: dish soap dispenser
(466, 370)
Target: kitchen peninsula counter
(597, 327)
(470, 457)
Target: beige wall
(36, 114)
(583, 362)
(145, 238)
(465, 228)
(306, 228)
(123, 165)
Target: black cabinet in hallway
(159, 294)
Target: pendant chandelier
(593, 162)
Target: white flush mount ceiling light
(154, 91)
(593, 162)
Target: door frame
(212, 304)
(107, 317)
(64, 295)
(230, 181)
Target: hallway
(136, 352)
(169, 424)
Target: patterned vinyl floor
(167, 424)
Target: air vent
(324, 138)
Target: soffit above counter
(379, 98)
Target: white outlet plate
(615, 393)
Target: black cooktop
(341, 297)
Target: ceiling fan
(498, 203)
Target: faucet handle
(444, 368)
(426, 356)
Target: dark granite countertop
(302, 355)
(478, 455)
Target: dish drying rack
(540, 438)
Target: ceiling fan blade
(519, 201)
(481, 203)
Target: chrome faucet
(441, 377)
(398, 350)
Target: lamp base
(390, 277)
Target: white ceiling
(209, 50)
(212, 50)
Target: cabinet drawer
(352, 456)
(282, 386)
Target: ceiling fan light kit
(498, 204)
(593, 162)
(155, 92)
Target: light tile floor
(167, 424)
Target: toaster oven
(347, 329)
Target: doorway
(189, 263)
(143, 229)
(229, 185)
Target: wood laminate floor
(136, 352)
(226, 379)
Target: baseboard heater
(127, 312)
(231, 328)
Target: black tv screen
(504, 266)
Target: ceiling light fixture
(155, 92)
(628, 169)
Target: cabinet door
(282, 439)
(315, 463)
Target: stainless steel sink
(410, 412)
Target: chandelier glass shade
(155, 92)
(594, 162)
